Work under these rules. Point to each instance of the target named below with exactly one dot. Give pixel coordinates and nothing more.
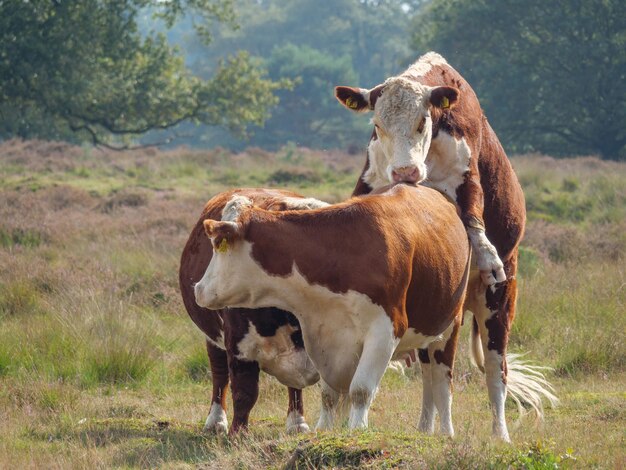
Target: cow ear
(358, 99)
(222, 233)
(444, 97)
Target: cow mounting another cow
(429, 128)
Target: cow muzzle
(408, 174)
(206, 299)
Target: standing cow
(370, 279)
(241, 343)
(429, 128)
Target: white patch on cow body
(278, 356)
(376, 175)
(447, 162)
(232, 209)
(296, 423)
(413, 340)
(303, 203)
(424, 64)
(217, 420)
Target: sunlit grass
(101, 367)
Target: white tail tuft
(526, 384)
(478, 357)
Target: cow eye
(420, 126)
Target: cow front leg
(470, 199)
(217, 421)
(378, 348)
(330, 408)
(244, 376)
(295, 413)
(487, 259)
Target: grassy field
(100, 366)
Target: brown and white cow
(241, 343)
(429, 128)
(370, 280)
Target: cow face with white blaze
(402, 118)
(217, 289)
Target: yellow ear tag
(351, 103)
(222, 247)
(445, 102)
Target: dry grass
(100, 366)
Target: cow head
(402, 118)
(219, 287)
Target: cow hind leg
(244, 376)
(217, 421)
(330, 408)
(441, 354)
(494, 318)
(378, 348)
(428, 413)
(295, 413)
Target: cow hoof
(216, 428)
(298, 428)
(296, 423)
(216, 422)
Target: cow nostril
(410, 174)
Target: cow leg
(295, 412)
(244, 376)
(217, 421)
(378, 348)
(328, 412)
(427, 416)
(441, 354)
(494, 322)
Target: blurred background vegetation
(235, 73)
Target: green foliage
(22, 237)
(318, 44)
(196, 365)
(82, 70)
(550, 75)
(18, 297)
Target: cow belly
(278, 356)
(335, 342)
(412, 340)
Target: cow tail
(527, 385)
(478, 357)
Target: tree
(82, 70)
(550, 75)
(307, 114)
(318, 43)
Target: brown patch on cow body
(446, 355)
(372, 260)
(501, 302)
